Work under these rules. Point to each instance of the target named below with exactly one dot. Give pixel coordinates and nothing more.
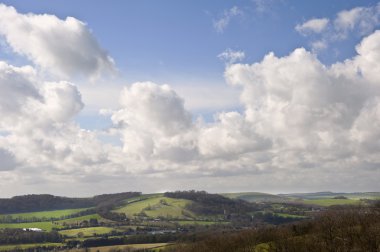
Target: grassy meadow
(86, 232)
(157, 207)
(46, 225)
(44, 214)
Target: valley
(158, 220)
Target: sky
(274, 96)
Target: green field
(329, 202)
(158, 206)
(26, 246)
(86, 231)
(285, 215)
(46, 225)
(79, 219)
(44, 214)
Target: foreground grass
(47, 225)
(87, 232)
(158, 207)
(27, 246)
(44, 214)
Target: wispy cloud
(357, 21)
(362, 19)
(263, 6)
(230, 56)
(316, 25)
(221, 23)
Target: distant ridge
(46, 202)
(255, 197)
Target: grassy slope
(154, 208)
(47, 225)
(45, 214)
(86, 231)
(81, 218)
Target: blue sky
(162, 39)
(215, 57)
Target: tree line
(212, 204)
(337, 229)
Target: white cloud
(221, 24)
(363, 19)
(230, 56)
(316, 25)
(62, 47)
(200, 98)
(151, 116)
(319, 45)
(314, 115)
(359, 21)
(231, 135)
(39, 126)
(367, 62)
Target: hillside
(157, 206)
(46, 202)
(256, 197)
(320, 195)
(125, 218)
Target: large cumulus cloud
(63, 47)
(311, 109)
(153, 121)
(37, 118)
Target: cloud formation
(64, 48)
(359, 20)
(363, 19)
(316, 25)
(221, 23)
(152, 117)
(230, 56)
